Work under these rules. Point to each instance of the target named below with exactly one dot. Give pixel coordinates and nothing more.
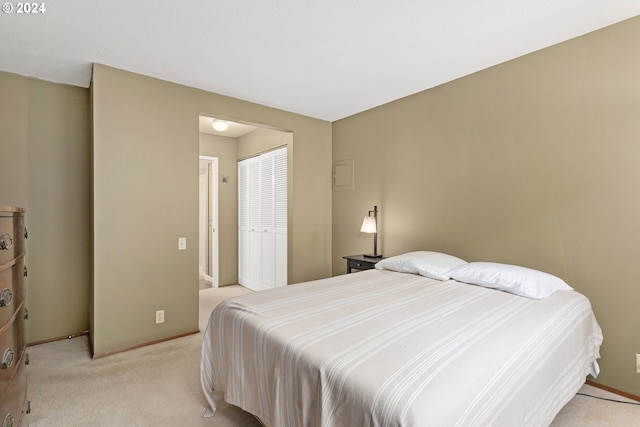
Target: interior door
(208, 221)
(213, 223)
(203, 222)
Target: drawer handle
(6, 242)
(26, 233)
(7, 359)
(5, 297)
(25, 272)
(8, 421)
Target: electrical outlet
(182, 243)
(160, 316)
(638, 363)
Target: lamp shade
(369, 225)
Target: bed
(397, 346)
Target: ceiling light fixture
(220, 125)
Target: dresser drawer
(12, 344)
(11, 288)
(13, 399)
(12, 235)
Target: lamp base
(372, 256)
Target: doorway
(208, 271)
(238, 142)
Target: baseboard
(66, 337)
(133, 347)
(613, 390)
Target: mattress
(382, 348)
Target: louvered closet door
(280, 215)
(262, 251)
(243, 223)
(274, 218)
(268, 227)
(249, 224)
(255, 225)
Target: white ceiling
(326, 59)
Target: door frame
(214, 257)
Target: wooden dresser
(13, 373)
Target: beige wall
(145, 165)
(45, 152)
(261, 141)
(14, 140)
(533, 162)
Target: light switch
(182, 243)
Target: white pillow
(517, 280)
(426, 263)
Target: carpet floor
(159, 385)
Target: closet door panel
(280, 178)
(280, 212)
(243, 257)
(268, 259)
(267, 192)
(243, 223)
(254, 260)
(280, 259)
(254, 194)
(254, 205)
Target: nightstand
(360, 262)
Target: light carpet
(159, 385)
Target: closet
(262, 220)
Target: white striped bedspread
(381, 348)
